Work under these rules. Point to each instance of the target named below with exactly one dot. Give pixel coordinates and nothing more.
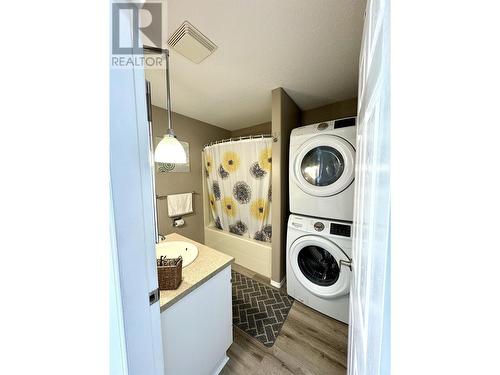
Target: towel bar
(164, 196)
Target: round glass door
(318, 265)
(315, 262)
(322, 166)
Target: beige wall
(264, 128)
(197, 134)
(285, 116)
(336, 110)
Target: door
(369, 329)
(316, 263)
(137, 341)
(324, 165)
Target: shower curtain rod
(275, 139)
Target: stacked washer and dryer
(319, 242)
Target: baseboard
(278, 285)
(221, 365)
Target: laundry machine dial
(319, 226)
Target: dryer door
(324, 165)
(315, 261)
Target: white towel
(179, 204)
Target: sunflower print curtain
(238, 176)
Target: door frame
(369, 312)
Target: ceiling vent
(191, 43)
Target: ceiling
(310, 48)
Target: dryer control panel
(344, 123)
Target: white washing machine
(321, 171)
(318, 264)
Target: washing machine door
(315, 262)
(324, 165)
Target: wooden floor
(309, 343)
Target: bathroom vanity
(196, 318)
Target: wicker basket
(169, 273)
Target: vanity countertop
(206, 265)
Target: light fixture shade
(170, 150)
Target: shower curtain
(238, 175)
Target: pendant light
(169, 150)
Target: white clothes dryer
(318, 264)
(321, 170)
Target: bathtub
(252, 254)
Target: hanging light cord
(170, 129)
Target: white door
(324, 165)
(136, 344)
(369, 329)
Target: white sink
(172, 249)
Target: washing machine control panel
(325, 227)
(343, 230)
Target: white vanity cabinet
(197, 329)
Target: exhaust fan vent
(191, 43)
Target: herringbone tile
(258, 309)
